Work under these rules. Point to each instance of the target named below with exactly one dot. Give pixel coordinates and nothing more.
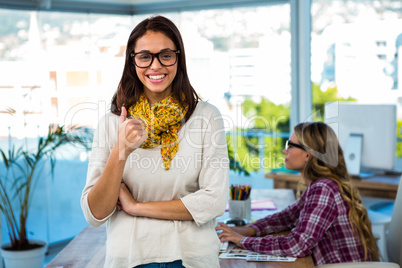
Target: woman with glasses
(328, 221)
(158, 170)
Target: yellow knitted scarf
(162, 122)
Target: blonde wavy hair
(328, 162)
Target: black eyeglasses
(289, 144)
(145, 59)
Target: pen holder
(240, 209)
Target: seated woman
(328, 221)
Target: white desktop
(367, 135)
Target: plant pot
(33, 258)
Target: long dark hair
(328, 162)
(130, 86)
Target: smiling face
(157, 79)
(295, 158)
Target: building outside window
(355, 53)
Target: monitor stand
(353, 153)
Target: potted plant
(23, 168)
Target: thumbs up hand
(131, 134)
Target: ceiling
(127, 7)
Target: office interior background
(267, 65)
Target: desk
(376, 186)
(87, 249)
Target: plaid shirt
(319, 227)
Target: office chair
(394, 235)
(390, 231)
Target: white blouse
(198, 175)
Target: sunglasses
(290, 144)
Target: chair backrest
(394, 236)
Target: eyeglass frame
(288, 142)
(155, 55)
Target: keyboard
(224, 246)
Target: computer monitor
(369, 129)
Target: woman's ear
(309, 155)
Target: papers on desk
(260, 205)
(248, 255)
(263, 205)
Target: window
(356, 47)
(57, 64)
(237, 58)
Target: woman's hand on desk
(234, 234)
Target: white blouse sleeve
(210, 200)
(103, 141)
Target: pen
(240, 192)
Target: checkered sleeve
(281, 221)
(316, 216)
